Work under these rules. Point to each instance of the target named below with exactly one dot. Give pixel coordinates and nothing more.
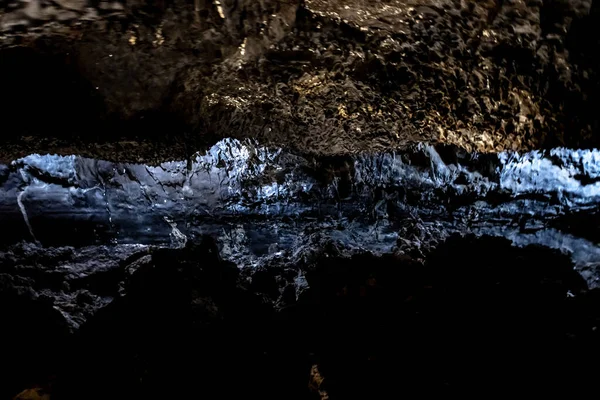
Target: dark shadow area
(480, 316)
(45, 96)
(34, 336)
(50, 106)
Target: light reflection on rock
(254, 198)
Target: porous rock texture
(156, 80)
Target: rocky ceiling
(149, 81)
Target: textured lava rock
(339, 86)
(74, 282)
(263, 203)
(158, 80)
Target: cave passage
(299, 199)
(259, 200)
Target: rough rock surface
(155, 81)
(261, 202)
(390, 189)
(76, 282)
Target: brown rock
(32, 394)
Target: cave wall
(259, 202)
(268, 189)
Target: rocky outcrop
(149, 82)
(76, 282)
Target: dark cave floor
(478, 317)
